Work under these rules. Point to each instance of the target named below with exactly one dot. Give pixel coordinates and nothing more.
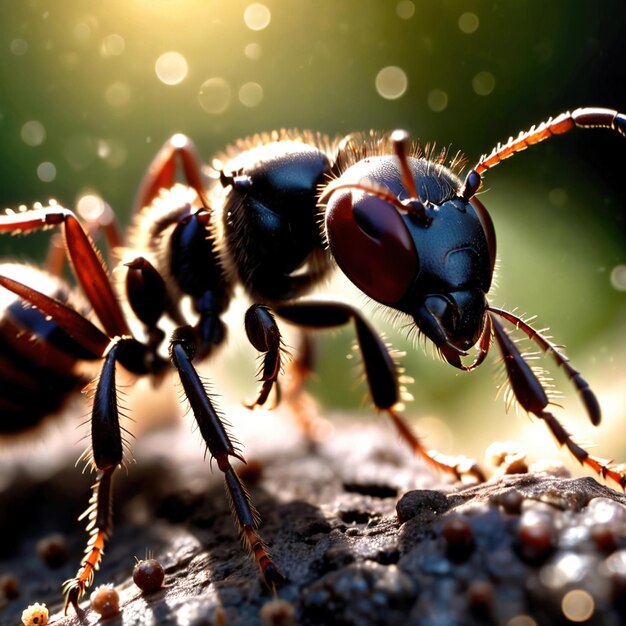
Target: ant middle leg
(221, 448)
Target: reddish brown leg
(98, 218)
(161, 173)
(458, 466)
(55, 259)
(295, 396)
(531, 395)
(73, 323)
(99, 527)
(86, 262)
(586, 117)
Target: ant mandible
(283, 209)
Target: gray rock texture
(363, 533)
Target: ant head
(399, 228)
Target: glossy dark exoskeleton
(279, 213)
(433, 264)
(271, 216)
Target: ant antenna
(585, 117)
(400, 140)
(413, 204)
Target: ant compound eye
(371, 244)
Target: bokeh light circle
(391, 82)
(46, 172)
(18, 47)
(117, 94)
(618, 277)
(215, 95)
(405, 9)
(578, 605)
(484, 83)
(437, 100)
(253, 51)
(468, 23)
(33, 133)
(171, 68)
(251, 94)
(112, 45)
(257, 16)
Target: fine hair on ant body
(281, 212)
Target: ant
(280, 212)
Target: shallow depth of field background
(89, 91)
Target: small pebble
(604, 538)
(515, 465)
(278, 613)
(550, 467)
(480, 598)
(422, 503)
(459, 537)
(105, 600)
(35, 615)
(9, 586)
(148, 575)
(536, 538)
(510, 501)
(52, 550)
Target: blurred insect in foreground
(280, 212)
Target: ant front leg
(264, 335)
(531, 395)
(381, 373)
(161, 173)
(221, 448)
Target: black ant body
(281, 212)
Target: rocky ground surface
(363, 533)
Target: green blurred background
(90, 90)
